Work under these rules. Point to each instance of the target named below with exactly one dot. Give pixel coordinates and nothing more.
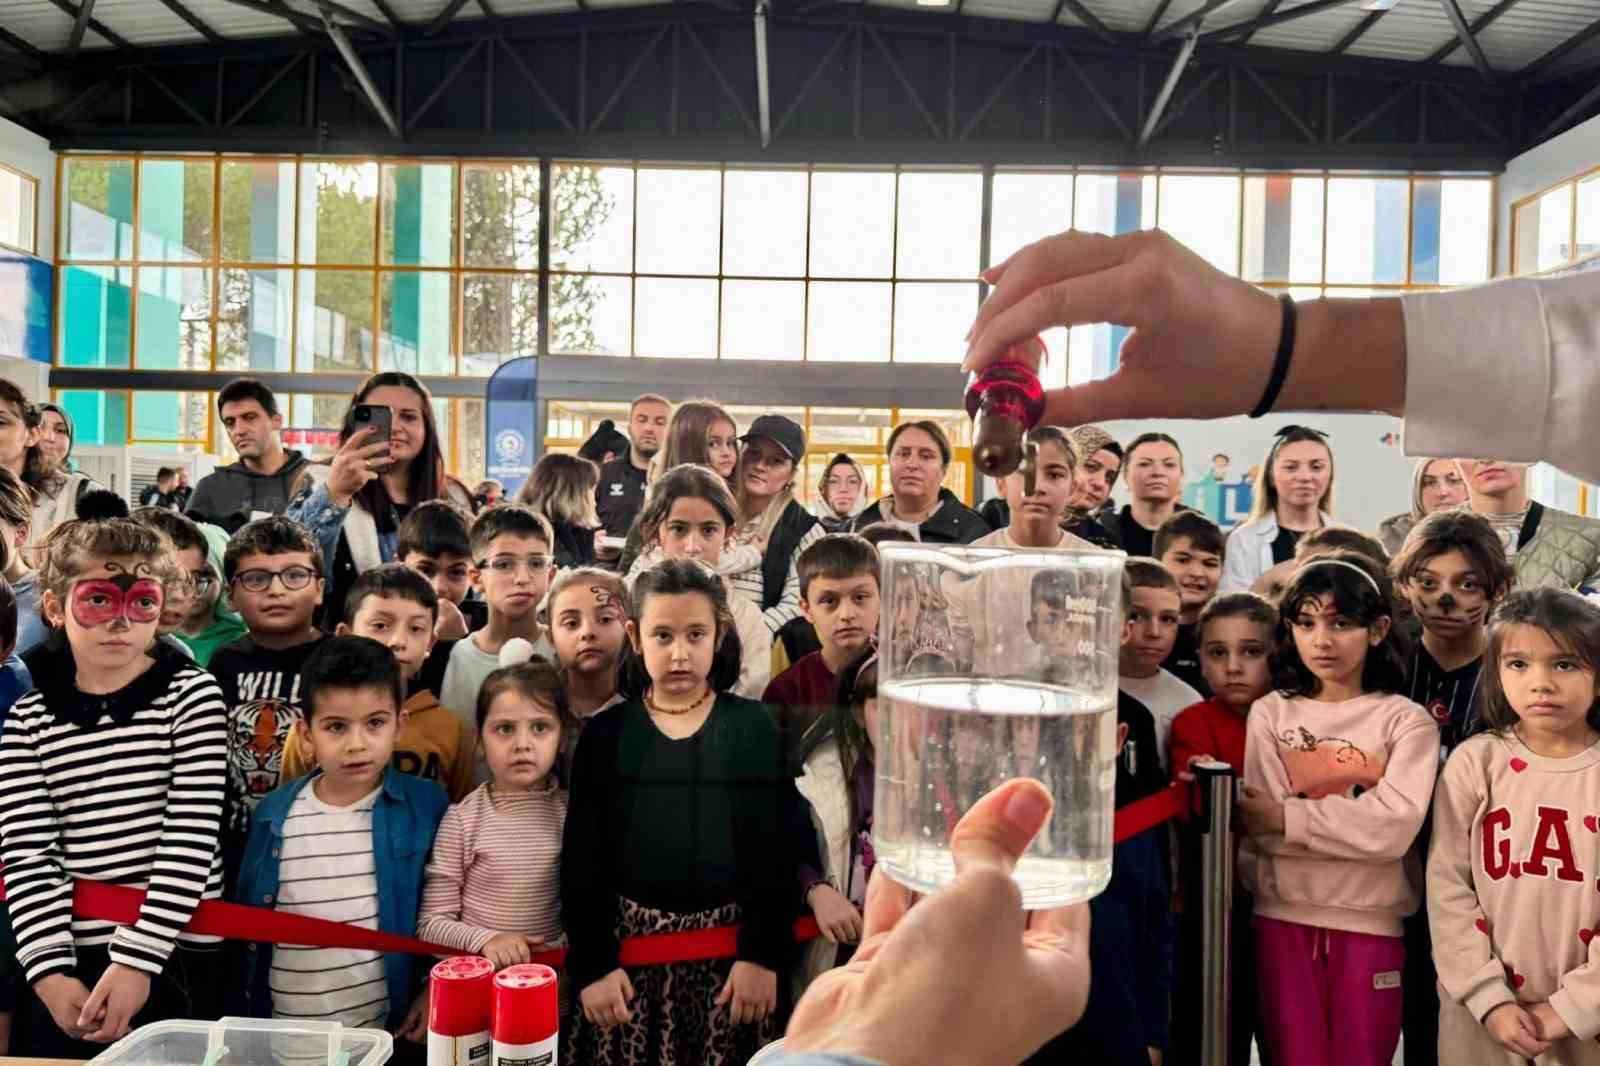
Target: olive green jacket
(1563, 553)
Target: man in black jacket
(263, 479)
(620, 494)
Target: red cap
(525, 1007)
(458, 1001)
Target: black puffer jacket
(953, 523)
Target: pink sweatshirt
(1512, 897)
(1355, 779)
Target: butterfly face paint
(98, 601)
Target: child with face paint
(114, 770)
(1452, 569)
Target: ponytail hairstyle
(1266, 490)
(678, 577)
(1568, 619)
(1360, 590)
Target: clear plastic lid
(249, 1042)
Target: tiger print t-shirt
(261, 689)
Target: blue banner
(512, 421)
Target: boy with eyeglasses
(196, 617)
(511, 569)
(273, 576)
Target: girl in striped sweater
(114, 770)
(494, 881)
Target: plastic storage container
(249, 1042)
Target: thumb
(726, 994)
(627, 988)
(1000, 826)
(534, 941)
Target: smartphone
(381, 419)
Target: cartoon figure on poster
(1213, 495)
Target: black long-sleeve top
(678, 825)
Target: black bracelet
(1280, 361)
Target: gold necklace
(654, 708)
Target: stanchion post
(1216, 781)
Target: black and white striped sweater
(125, 788)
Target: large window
(1318, 234)
(19, 198)
(233, 264)
(1558, 226)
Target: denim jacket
(404, 820)
(313, 507)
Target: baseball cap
(780, 431)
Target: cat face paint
(101, 600)
(1449, 596)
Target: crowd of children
(498, 756)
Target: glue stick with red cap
(527, 1016)
(459, 997)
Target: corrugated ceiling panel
(1316, 33)
(1018, 10)
(1127, 16)
(1411, 31)
(1533, 27)
(231, 20)
(43, 25)
(529, 7)
(143, 22)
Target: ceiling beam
(79, 25)
(388, 13)
(1277, 18)
(1085, 16)
(1266, 9)
(1560, 123)
(94, 24)
(1479, 23)
(1359, 31)
(1560, 51)
(763, 75)
(194, 21)
(357, 17)
(1452, 11)
(23, 47)
(442, 19)
(1156, 16)
(1193, 19)
(359, 69)
(299, 19)
(1153, 119)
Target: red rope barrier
(101, 901)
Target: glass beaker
(996, 663)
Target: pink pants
(1328, 998)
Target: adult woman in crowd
(1155, 482)
(700, 432)
(561, 488)
(919, 455)
(1435, 486)
(841, 494)
(354, 503)
(1090, 514)
(1293, 495)
(774, 447)
(55, 491)
(55, 435)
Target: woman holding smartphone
(389, 460)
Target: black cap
(780, 431)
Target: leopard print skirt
(676, 1021)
